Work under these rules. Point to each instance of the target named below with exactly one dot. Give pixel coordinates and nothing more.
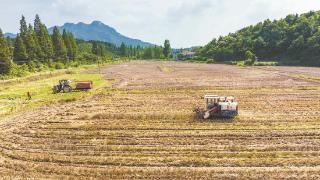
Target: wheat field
(142, 127)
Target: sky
(185, 23)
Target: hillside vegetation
(294, 40)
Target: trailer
(83, 85)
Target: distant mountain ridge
(10, 35)
(99, 31)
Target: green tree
(95, 49)
(48, 45)
(123, 49)
(60, 50)
(19, 54)
(23, 27)
(31, 44)
(44, 39)
(98, 49)
(167, 48)
(158, 52)
(148, 53)
(297, 45)
(70, 44)
(37, 25)
(5, 55)
(250, 56)
(74, 45)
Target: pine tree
(73, 45)
(5, 55)
(158, 52)
(48, 42)
(19, 54)
(123, 49)
(39, 53)
(96, 49)
(37, 25)
(70, 44)
(148, 53)
(23, 27)
(67, 43)
(44, 39)
(31, 45)
(60, 50)
(134, 52)
(167, 48)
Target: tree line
(292, 40)
(93, 49)
(151, 52)
(34, 44)
(34, 48)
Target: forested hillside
(34, 49)
(294, 40)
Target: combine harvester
(218, 107)
(65, 86)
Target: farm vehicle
(217, 107)
(65, 86)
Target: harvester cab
(218, 107)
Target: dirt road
(143, 127)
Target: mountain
(294, 39)
(100, 32)
(10, 35)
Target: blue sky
(185, 22)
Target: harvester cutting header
(218, 107)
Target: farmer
(29, 95)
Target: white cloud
(184, 22)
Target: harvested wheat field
(142, 127)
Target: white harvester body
(228, 106)
(218, 106)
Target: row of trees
(294, 39)
(151, 52)
(34, 43)
(34, 47)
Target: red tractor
(218, 107)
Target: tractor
(217, 107)
(64, 85)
